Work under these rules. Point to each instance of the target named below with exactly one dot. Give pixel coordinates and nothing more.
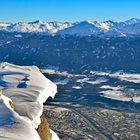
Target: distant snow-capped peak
(36, 26)
(132, 21)
(83, 28)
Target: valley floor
(92, 123)
(89, 107)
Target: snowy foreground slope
(27, 89)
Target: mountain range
(84, 28)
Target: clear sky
(68, 10)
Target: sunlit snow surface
(121, 93)
(27, 88)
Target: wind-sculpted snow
(26, 88)
(13, 126)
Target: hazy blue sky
(68, 10)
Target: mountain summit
(83, 28)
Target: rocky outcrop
(44, 130)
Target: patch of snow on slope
(111, 87)
(76, 87)
(134, 78)
(119, 92)
(62, 82)
(97, 81)
(116, 95)
(18, 36)
(93, 82)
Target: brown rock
(44, 130)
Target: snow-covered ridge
(27, 88)
(37, 27)
(83, 28)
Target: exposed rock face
(44, 130)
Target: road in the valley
(91, 124)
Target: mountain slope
(84, 28)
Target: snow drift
(27, 88)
